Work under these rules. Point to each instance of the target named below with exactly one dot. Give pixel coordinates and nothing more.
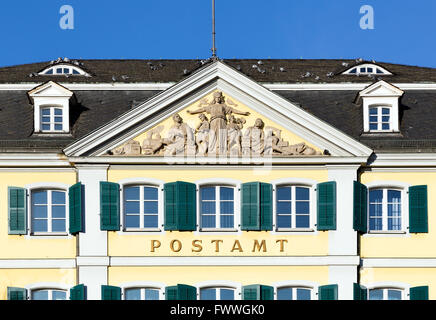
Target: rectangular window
(293, 293)
(217, 294)
(293, 207)
(48, 211)
(379, 119)
(49, 295)
(385, 294)
(217, 207)
(385, 210)
(51, 119)
(141, 207)
(142, 294)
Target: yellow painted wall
(315, 243)
(22, 247)
(411, 276)
(402, 246)
(189, 275)
(22, 278)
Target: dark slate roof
(269, 70)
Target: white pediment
(214, 77)
(50, 89)
(381, 89)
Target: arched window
(294, 293)
(141, 207)
(48, 211)
(217, 207)
(380, 118)
(385, 209)
(292, 207)
(141, 294)
(367, 69)
(386, 294)
(62, 70)
(217, 293)
(48, 294)
(51, 119)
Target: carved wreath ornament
(221, 134)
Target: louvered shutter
(110, 293)
(419, 293)
(17, 210)
(109, 206)
(266, 206)
(78, 292)
(326, 205)
(250, 219)
(16, 293)
(251, 292)
(359, 292)
(75, 208)
(180, 200)
(360, 207)
(418, 211)
(328, 292)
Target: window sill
(49, 234)
(295, 230)
(387, 232)
(217, 230)
(142, 230)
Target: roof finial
(213, 31)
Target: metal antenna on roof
(213, 30)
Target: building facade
(218, 180)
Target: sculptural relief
(222, 134)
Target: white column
(92, 260)
(343, 241)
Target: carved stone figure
(180, 138)
(218, 111)
(202, 137)
(253, 139)
(153, 142)
(274, 144)
(234, 134)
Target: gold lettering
(282, 241)
(217, 244)
(197, 245)
(179, 245)
(237, 246)
(258, 246)
(155, 244)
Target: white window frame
(380, 122)
(47, 286)
(296, 182)
(366, 66)
(405, 288)
(220, 284)
(63, 67)
(52, 116)
(391, 185)
(220, 182)
(143, 285)
(301, 284)
(150, 182)
(50, 186)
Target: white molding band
(38, 264)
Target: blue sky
(404, 31)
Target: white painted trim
(403, 160)
(143, 181)
(236, 261)
(224, 284)
(92, 261)
(399, 262)
(141, 285)
(38, 263)
(312, 230)
(236, 184)
(298, 119)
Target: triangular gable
(381, 89)
(217, 76)
(49, 89)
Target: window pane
(45, 127)
(227, 294)
(284, 294)
(373, 111)
(207, 294)
(132, 221)
(208, 221)
(58, 225)
(376, 196)
(207, 207)
(373, 119)
(302, 221)
(394, 295)
(385, 111)
(49, 71)
(353, 70)
(303, 294)
(59, 70)
(58, 197)
(379, 71)
(151, 294)
(226, 207)
(59, 295)
(45, 112)
(386, 126)
(57, 112)
(283, 207)
(150, 193)
(150, 221)
(284, 193)
(375, 224)
(133, 294)
(131, 207)
(302, 193)
(66, 71)
(39, 211)
(58, 211)
(376, 294)
(208, 193)
(46, 119)
(39, 225)
(40, 295)
(39, 197)
(226, 193)
(131, 193)
(227, 221)
(302, 207)
(58, 119)
(370, 70)
(284, 221)
(373, 126)
(385, 118)
(75, 71)
(362, 69)
(150, 206)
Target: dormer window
(51, 103)
(367, 69)
(63, 69)
(381, 107)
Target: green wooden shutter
(360, 207)
(266, 293)
(250, 219)
(418, 212)
(17, 293)
(171, 293)
(180, 200)
(328, 292)
(181, 292)
(110, 293)
(360, 292)
(251, 292)
(78, 292)
(186, 206)
(17, 210)
(109, 206)
(419, 293)
(75, 208)
(266, 206)
(326, 204)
